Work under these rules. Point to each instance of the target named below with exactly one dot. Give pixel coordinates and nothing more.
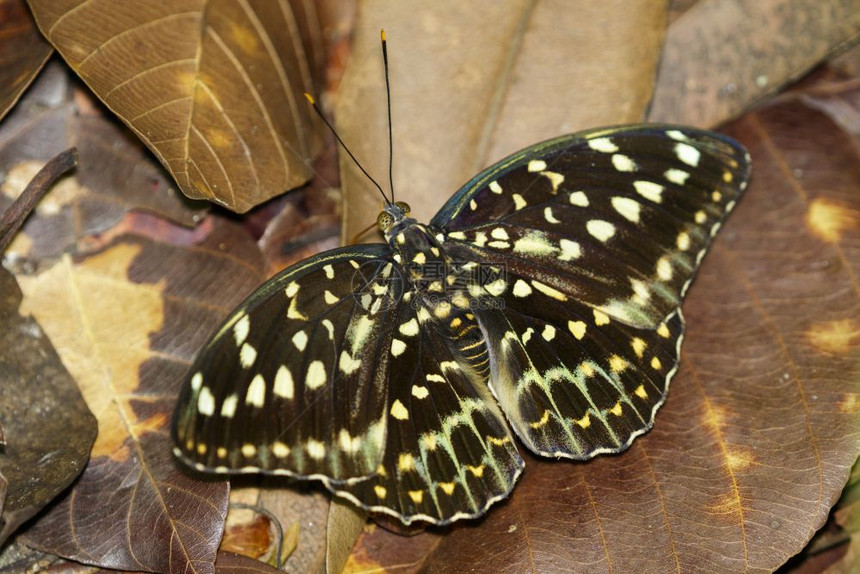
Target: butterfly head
(393, 218)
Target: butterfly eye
(404, 207)
(384, 221)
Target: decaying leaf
(473, 82)
(762, 423)
(115, 173)
(127, 322)
(23, 52)
(722, 57)
(214, 88)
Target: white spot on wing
(205, 402)
(300, 340)
(677, 176)
(347, 364)
(649, 190)
(536, 165)
(241, 329)
(627, 208)
(687, 154)
(316, 375)
(623, 163)
(228, 408)
(579, 199)
(247, 355)
(548, 215)
(600, 230)
(284, 387)
(256, 396)
(604, 145)
(397, 347)
(522, 289)
(570, 250)
(495, 187)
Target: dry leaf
(114, 174)
(472, 83)
(214, 88)
(127, 322)
(23, 52)
(723, 56)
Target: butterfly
(542, 304)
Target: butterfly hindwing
(448, 452)
(294, 382)
(573, 381)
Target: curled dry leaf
(23, 52)
(762, 422)
(722, 57)
(473, 82)
(127, 321)
(213, 88)
(114, 175)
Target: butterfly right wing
(295, 382)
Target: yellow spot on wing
(585, 421)
(641, 392)
(600, 318)
(398, 411)
(416, 495)
(447, 487)
(577, 328)
(478, 471)
(656, 364)
(405, 462)
(380, 491)
(543, 420)
(639, 346)
(617, 364)
(616, 410)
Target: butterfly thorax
(438, 289)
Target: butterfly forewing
(295, 380)
(617, 219)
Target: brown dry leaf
(762, 423)
(23, 52)
(48, 428)
(214, 88)
(232, 563)
(723, 56)
(473, 82)
(127, 322)
(114, 174)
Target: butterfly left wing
(598, 234)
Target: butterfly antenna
(388, 98)
(316, 108)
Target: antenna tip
(382, 34)
(310, 99)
